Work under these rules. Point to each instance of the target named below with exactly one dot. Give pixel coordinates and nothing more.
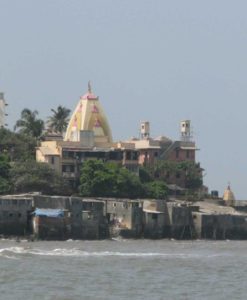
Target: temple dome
(89, 115)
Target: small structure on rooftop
(228, 196)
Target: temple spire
(89, 87)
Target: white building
(2, 110)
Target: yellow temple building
(89, 117)
(88, 136)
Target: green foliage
(145, 175)
(5, 184)
(191, 171)
(32, 176)
(96, 179)
(29, 125)
(156, 189)
(59, 120)
(128, 185)
(17, 146)
(108, 180)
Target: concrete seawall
(91, 218)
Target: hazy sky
(157, 60)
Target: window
(187, 153)
(125, 205)
(156, 154)
(177, 153)
(65, 154)
(68, 168)
(128, 155)
(71, 154)
(113, 155)
(177, 175)
(52, 160)
(135, 155)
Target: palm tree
(29, 124)
(59, 120)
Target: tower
(185, 131)
(145, 130)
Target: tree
(5, 184)
(99, 179)
(19, 147)
(188, 170)
(145, 175)
(33, 176)
(156, 189)
(59, 120)
(28, 124)
(128, 184)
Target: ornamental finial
(89, 87)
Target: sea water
(123, 269)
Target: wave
(63, 252)
(71, 252)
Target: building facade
(89, 136)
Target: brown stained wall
(90, 230)
(57, 202)
(182, 155)
(95, 226)
(123, 212)
(14, 216)
(50, 228)
(181, 221)
(76, 206)
(213, 226)
(150, 156)
(76, 217)
(126, 215)
(154, 225)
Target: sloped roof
(88, 115)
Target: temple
(88, 136)
(89, 117)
